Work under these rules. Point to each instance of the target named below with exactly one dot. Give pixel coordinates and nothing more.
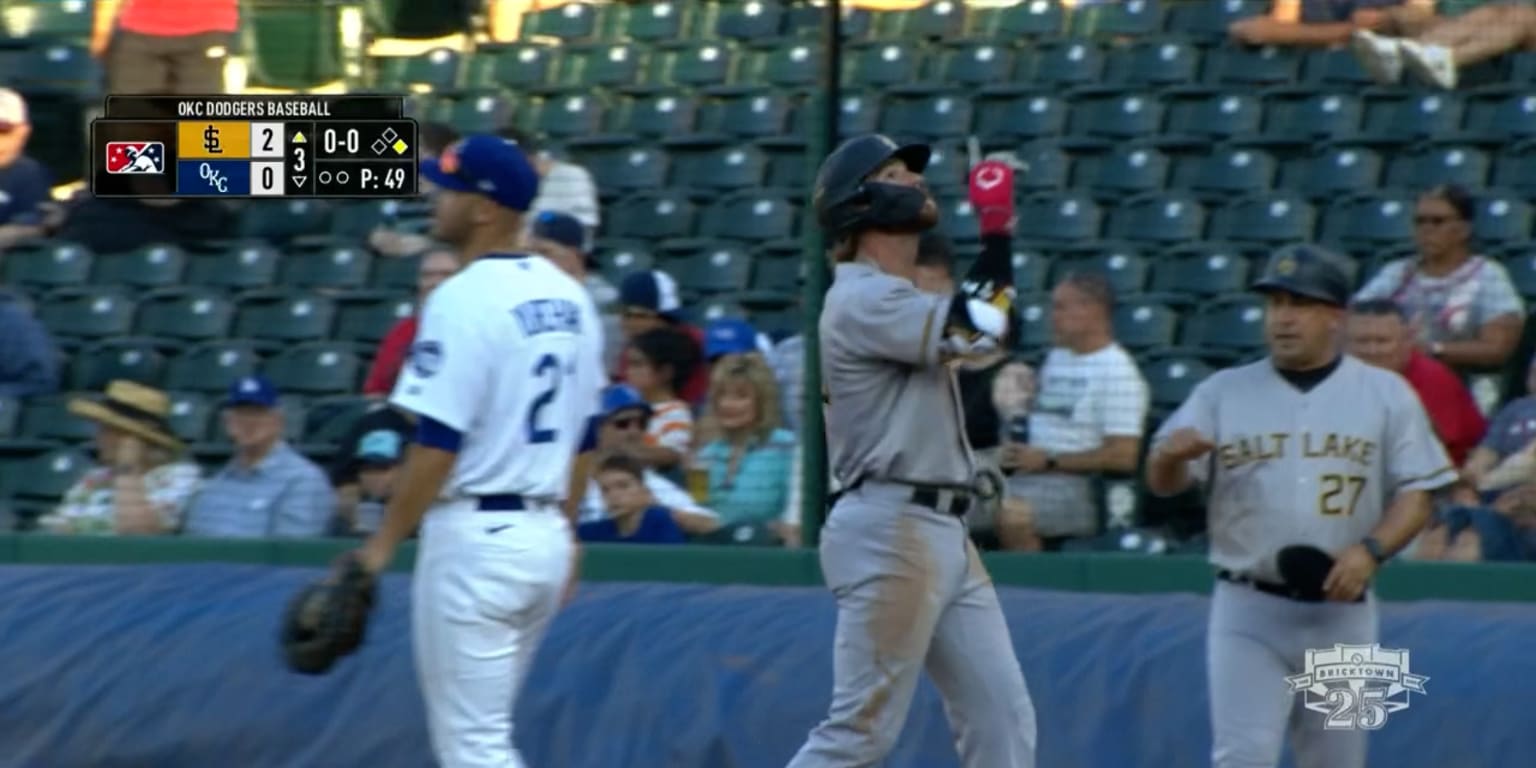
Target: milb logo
(135, 157)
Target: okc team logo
(137, 157)
(1357, 686)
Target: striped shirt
(568, 188)
(284, 495)
(671, 426)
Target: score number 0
(352, 143)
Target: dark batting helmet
(844, 202)
(1307, 270)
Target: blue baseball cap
(728, 336)
(623, 397)
(654, 290)
(486, 165)
(252, 390)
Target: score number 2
(1338, 494)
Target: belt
(510, 502)
(1271, 588)
(944, 499)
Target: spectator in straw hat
(141, 485)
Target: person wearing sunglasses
(1463, 307)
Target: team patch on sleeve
(426, 358)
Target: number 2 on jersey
(1338, 494)
(550, 365)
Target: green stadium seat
(786, 65)
(1503, 218)
(1202, 270)
(722, 268)
(1131, 18)
(46, 264)
(329, 420)
(434, 70)
(775, 280)
(192, 416)
(1225, 329)
(881, 65)
(47, 19)
(10, 414)
(751, 21)
(92, 367)
(1066, 216)
(238, 267)
(726, 169)
(1276, 217)
(658, 22)
(1398, 119)
(927, 118)
(1251, 67)
(211, 367)
(1031, 20)
(397, 274)
(1034, 315)
(152, 266)
(1119, 263)
(282, 316)
(651, 216)
(1517, 170)
(1172, 377)
(748, 216)
(482, 112)
(1444, 164)
(1227, 173)
(1011, 119)
(48, 418)
(1154, 63)
(715, 307)
(569, 116)
(601, 65)
(974, 64)
(367, 321)
(1102, 123)
(658, 115)
(1125, 171)
(1374, 220)
(1050, 168)
(859, 113)
(1335, 68)
(949, 168)
(746, 115)
(1166, 217)
(691, 65)
(1207, 21)
(37, 484)
(957, 220)
(279, 221)
(787, 169)
(1030, 270)
(1198, 121)
(569, 22)
(520, 66)
(1500, 120)
(935, 20)
(1063, 64)
(185, 314)
(1335, 171)
(292, 44)
(621, 170)
(1145, 325)
(87, 312)
(1300, 122)
(327, 268)
(618, 259)
(315, 368)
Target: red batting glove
(992, 196)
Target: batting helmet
(1307, 270)
(846, 203)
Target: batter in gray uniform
(1305, 447)
(911, 591)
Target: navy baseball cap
(380, 447)
(486, 165)
(252, 390)
(728, 336)
(623, 397)
(653, 290)
(561, 228)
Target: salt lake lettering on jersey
(1331, 445)
(542, 316)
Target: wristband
(1374, 547)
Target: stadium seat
(569, 116)
(949, 168)
(367, 320)
(1100, 123)
(971, 65)
(1034, 315)
(292, 45)
(620, 170)
(1294, 122)
(749, 216)
(1500, 120)
(715, 307)
(211, 367)
(192, 416)
(1503, 219)
(1226, 329)
(1142, 325)
(787, 170)
(1050, 168)
(1060, 65)
(1335, 171)
(650, 216)
(1335, 68)
(1018, 21)
(750, 22)
(1251, 67)
(55, 65)
(601, 65)
(787, 65)
(1201, 270)
(1154, 63)
(1207, 22)
(1010, 119)
(747, 115)
(1370, 220)
(808, 20)
(92, 367)
(1522, 273)
(716, 171)
(957, 220)
(1168, 217)
(520, 66)
(480, 112)
(691, 65)
(281, 316)
(567, 21)
(1445, 164)
(1278, 217)
(1172, 377)
(46, 265)
(41, 481)
(278, 221)
(657, 115)
(1131, 18)
(1119, 263)
(10, 417)
(329, 420)
(939, 19)
(1195, 122)
(315, 368)
(185, 314)
(1066, 216)
(775, 281)
(152, 266)
(1397, 119)
(859, 113)
(882, 65)
(618, 259)
(42, 20)
(1125, 171)
(1517, 170)
(327, 268)
(86, 312)
(657, 22)
(48, 418)
(434, 70)
(240, 267)
(1227, 173)
(720, 269)
(926, 118)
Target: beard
(907, 211)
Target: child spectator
(659, 362)
(648, 301)
(748, 456)
(633, 514)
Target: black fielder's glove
(329, 618)
(1304, 569)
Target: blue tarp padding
(166, 667)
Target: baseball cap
(13, 108)
(381, 446)
(623, 397)
(728, 336)
(653, 290)
(485, 165)
(252, 390)
(561, 228)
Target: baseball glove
(328, 619)
(1304, 569)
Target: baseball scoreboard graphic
(254, 147)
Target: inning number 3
(548, 365)
(1338, 494)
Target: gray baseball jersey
(1316, 467)
(880, 340)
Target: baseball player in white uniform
(1306, 447)
(504, 373)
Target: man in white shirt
(1088, 417)
(563, 186)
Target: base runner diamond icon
(1356, 686)
(379, 146)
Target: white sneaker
(1380, 56)
(1432, 63)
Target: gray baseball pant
(1256, 640)
(912, 594)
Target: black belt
(502, 502)
(1279, 590)
(929, 496)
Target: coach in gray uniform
(911, 590)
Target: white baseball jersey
(509, 353)
(1316, 467)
